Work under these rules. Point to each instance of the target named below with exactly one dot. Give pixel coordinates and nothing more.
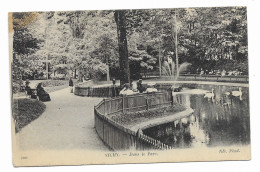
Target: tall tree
(122, 45)
(24, 44)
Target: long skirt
(44, 97)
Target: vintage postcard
(129, 86)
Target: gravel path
(67, 123)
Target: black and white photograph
(129, 86)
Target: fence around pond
(204, 77)
(118, 137)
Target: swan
(237, 93)
(209, 95)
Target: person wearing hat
(140, 87)
(114, 87)
(27, 82)
(28, 88)
(71, 84)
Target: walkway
(67, 123)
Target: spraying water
(183, 67)
(169, 70)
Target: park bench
(32, 93)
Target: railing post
(123, 103)
(95, 116)
(147, 104)
(105, 106)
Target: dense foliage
(85, 43)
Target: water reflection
(218, 121)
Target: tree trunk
(75, 73)
(122, 44)
(108, 78)
(160, 62)
(176, 45)
(80, 75)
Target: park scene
(141, 79)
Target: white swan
(209, 95)
(238, 93)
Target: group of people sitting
(134, 88)
(38, 92)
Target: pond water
(219, 121)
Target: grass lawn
(54, 85)
(25, 111)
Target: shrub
(53, 83)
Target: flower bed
(129, 118)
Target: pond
(223, 120)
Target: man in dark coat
(140, 87)
(114, 94)
(71, 85)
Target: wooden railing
(204, 77)
(118, 137)
(226, 78)
(136, 102)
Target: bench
(32, 93)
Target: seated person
(28, 88)
(42, 94)
(151, 88)
(202, 72)
(176, 89)
(126, 90)
(140, 87)
(133, 86)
